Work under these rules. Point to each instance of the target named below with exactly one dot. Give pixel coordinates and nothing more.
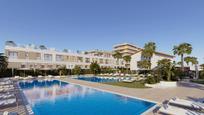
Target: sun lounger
(50, 76)
(7, 102)
(6, 96)
(129, 80)
(8, 113)
(40, 76)
(30, 112)
(172, 110)
(187, 104)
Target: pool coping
(113, 92)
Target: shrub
(95, 68)
(152, 79)
(77, 70)
(201, 76)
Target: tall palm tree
(117, 55)
(194, 61)
(188, 59)
(166, 66)
(202, 66)
(127, 60)
(145, 64)
(181, 50)
(148, 51)
(3, 62)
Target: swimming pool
(56, 97)
(97, 79)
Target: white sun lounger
(8, 113)
(129, 80)
(6, 96)
(40, 76)
(171, 110)
(7, 102)
(187, 103)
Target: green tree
(127, 60)
(77, 70)
(202, 71)
(62, 70)
(181, 50)
(202, 67)
(193, 61)
(117, 55)
(95, 68)
(147, 53)
(166, 68)
(188, 60)
(3, 62)
(149, 50)
(145, 64)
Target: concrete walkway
(153, 94)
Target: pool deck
(19, 107)
(158, 95)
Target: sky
(100, 24)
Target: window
(59, 58)
(48, 57)
(23, 66)
(145, 58)
(87, 60)
(106, 61)
(101, 61)
(80, 59)
(13, 55)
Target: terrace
(157, 95)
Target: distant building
(136, 55)
(126, 49)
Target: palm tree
(148, 51)
(77, 70)
(117, 55)
(188, 60)
(166, 66)
(127, 60)
(145, 64)
(202, 66)
(95, 68)
(193, 61)
(181, 50)
(3, 62)
(62, 70)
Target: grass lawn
(130, 85)
(200, 81)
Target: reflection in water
(54, 97)
(37, 91)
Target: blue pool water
(60, 98)
(96, 79)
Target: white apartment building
(136, 55)
(42, 58)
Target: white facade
(52, 57)
(155, 58)
(33, 57)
